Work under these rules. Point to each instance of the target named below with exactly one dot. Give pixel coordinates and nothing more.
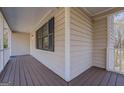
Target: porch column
(1, 42)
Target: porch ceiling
(24, 19)
(96, 10)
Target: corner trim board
(67, 44)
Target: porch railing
(119, 59)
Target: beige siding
(100, 42)
(81, 42)
(53, 60)
(20, 44)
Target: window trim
(48, 35)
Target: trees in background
(119, 40)
(5, 39)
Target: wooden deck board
(120, 80)
(99, 77)
(12, 74)
(22, 75)
(53, 78)
(7, 74)
(17, 72)
(91, 78)
(112, 80)
(41, 74)
(27, 75)
(31, 72)
(2, 74)
(80, 80)
(105, 79)
(26, 70)
(36, 72)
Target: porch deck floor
(26, 70)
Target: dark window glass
(45, 30)
(39, 34)
(51, 42)
(45, 42)
(45, 36)
(39, 43)
(5, 39)
(51, 25)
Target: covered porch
(60, 46)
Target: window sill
(45, 50)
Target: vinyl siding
(100, 42)
(53, 60)
(81, 39)
(20, 44)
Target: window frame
(6, 37)
(40, 32)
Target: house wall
(100, 37)
(100, 42)
(20, 44)
(53, 60)
(5, 53)
(87, 42)
(81, 42)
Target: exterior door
(1, 43)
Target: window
(5, 39)
(45, 36)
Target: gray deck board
(27, 71)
